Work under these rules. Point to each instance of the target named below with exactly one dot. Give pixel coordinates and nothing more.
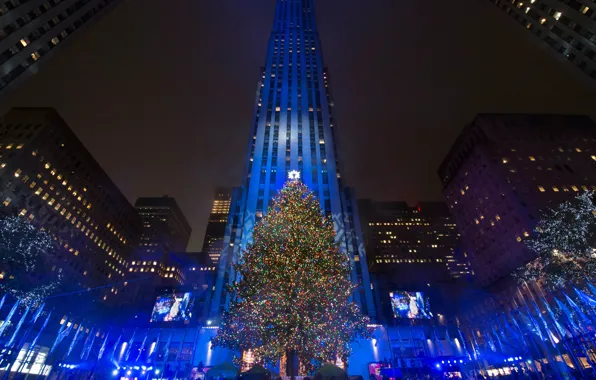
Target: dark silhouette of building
(48, 177)
(502, 171)
(165, 228)
(566, 27)
(32, 31)
(216, 227)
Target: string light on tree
(564, 242)
(24, 254)
(293, 288)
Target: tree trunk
(292, 364)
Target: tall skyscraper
(416, 245)
(502, 171)
(32, 31)
(48, 177)
(216, 227)
(293, 129)
(566, 26)
(165, 228)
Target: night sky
(161, 93)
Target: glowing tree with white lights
(564, 240)
(24, 252)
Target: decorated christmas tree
(564, 240)
(292, 294)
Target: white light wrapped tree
(564, 241)
(24, 252)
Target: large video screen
(410, 305)
(173, 307)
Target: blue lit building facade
(293, 129)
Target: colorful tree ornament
(564, 241)
(292, 293)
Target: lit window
(555, 189)
(24, 42)
(574, 188)
(519, 239)
(34, 153)
(47, 165)
(23, 212)
(532, 158)
(557, 15)
(542, 20)
(585, 10)
(277, 109)
(55, 41)
(9, 146)
(542, 190)
(7, 201)
(45, 196)
(526, 234)
(20, 146)
(505, 160)
(497, 217)
(35, 56)
(51, 201)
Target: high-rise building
(566, 26)
(417, 245)
(293, 129)
(502, 171)
(32, 31)
(48, 177)
(165, 228)
(216, 227)
(153, 266)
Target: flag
(565, 310)
(87, 345)
(129, 346)
(115, 348)
(103, 347)
(580, 314)
(167, 348)
(62, 333)
(2, 301)
(75, 340)
(154, 347)
(589, 301)
(45, 323)
(37, 313)
(142, 346)
(438, 343)
(562, 331)
(9, 317)
(18, 328)
(592, 288)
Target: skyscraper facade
(293, 129)
(417, 245)
(32, 31)
(216, 226)
(48, 177)
(502, 171)
(165, 228)
(566, 26)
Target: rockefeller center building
(293, 129)
(502, 171)
(216, 226)
(32, 31)
(48, 177)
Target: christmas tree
(293, 289)
(564, 241)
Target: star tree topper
(294, 175)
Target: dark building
(293, 130)
(566, 27)
(216, 227)
(32, 31)
(48, 177)
(417, 244)
(502, 171)
(411, 249)
(165, 228)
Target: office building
(165, 228)
(417, 244)
(293, 129)
(502, 171)
(48, 177)
(216, 227)
(153, 266)
(567, 27)
(32, 31)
